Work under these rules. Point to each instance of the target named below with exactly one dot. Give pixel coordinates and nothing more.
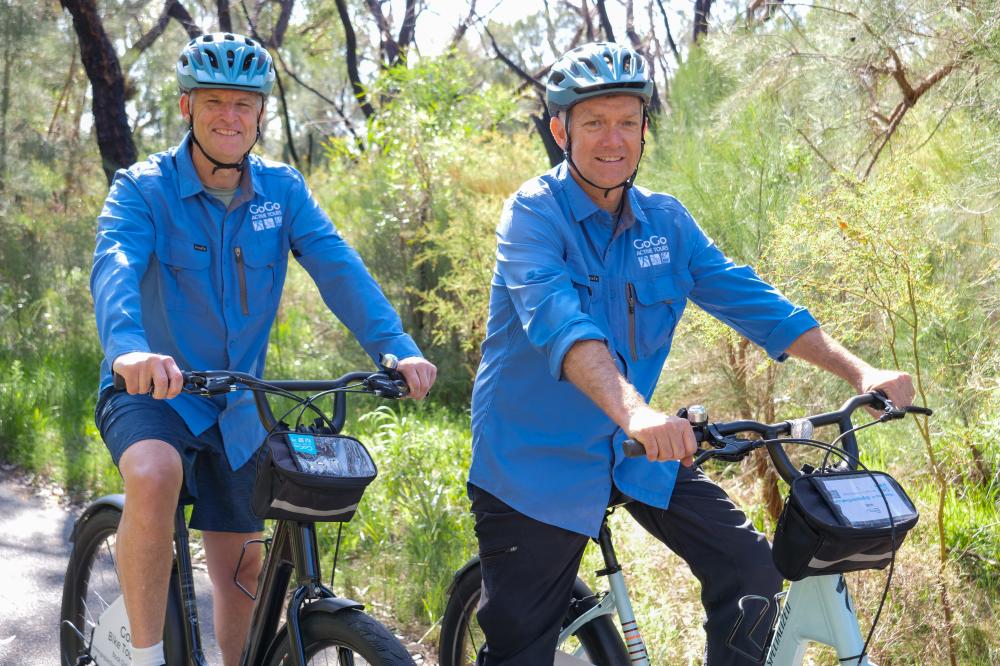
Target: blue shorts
(220, 495)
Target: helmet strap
(238, 166)
(625, 184)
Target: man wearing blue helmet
(191, 256)
(592, 276)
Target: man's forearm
(589, 366)
(818, 348)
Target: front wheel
(596, 642)
(344, 638)
(91, 586)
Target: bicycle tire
(324, 634)
(460, 637)
(85, 598)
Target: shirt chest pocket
(654, 307)
(256, 266)
(185, 275)
(587, 289)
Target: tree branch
(670, 37)
(351, 54)
(602, 13)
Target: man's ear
(185, 104)
(558, 131)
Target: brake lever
(728, 449)
(384, 386)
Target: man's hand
(897, 386)
(419, 374)
(142, 371)
(665, 437)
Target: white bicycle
(816, 608)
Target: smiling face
(606, 143)
(225, 122)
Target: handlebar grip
(916, 409)
(633, 449)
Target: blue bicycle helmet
(598, 68)
(225, 60)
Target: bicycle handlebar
(387, 383)
(727, 447)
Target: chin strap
(238, 166)
(625, 184)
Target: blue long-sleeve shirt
(175, 272)
(563, 274)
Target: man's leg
(528, 572)
(725, 553)
(231, 607)
(153, 476)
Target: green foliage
(413, 528)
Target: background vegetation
(848, 150)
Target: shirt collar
(580, 202)
(583, 206)
(190, 182)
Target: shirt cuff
(787, 332)
(575, 332)
(125, 346)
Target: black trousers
(529, 568)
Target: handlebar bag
(315, 477)
(835, 522)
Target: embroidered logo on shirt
(652, 251)
(265, 216)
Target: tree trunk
(351, 53)
(552, 148)
(225, 19)
(114, 138)
(702, 8)
(4, 107)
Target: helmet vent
(247, 62)
(208, 38)
(627, 62)
(184, 60)
(212, 60)
(229, 37)
(557, 78)
(230, 58)
(589, 65)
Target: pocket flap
(183, 253)
(259, 256)
(672, 288)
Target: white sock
(150, 656)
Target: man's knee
(152, 470)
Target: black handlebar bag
(835, 522)
(316, 477)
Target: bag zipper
(242, 274)
(630, 298)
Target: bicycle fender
(331, 605)
(471, 564)
(115, 501)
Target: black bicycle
(823, 610)
(319, 627)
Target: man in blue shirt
(192, 252)
(592, 276)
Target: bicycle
(817, 608)
(319, 627)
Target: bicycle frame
(817, 609)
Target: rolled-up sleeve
(125, 241)
(738, 297)
(532, 264)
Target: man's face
(606, 135)
(225, 121)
